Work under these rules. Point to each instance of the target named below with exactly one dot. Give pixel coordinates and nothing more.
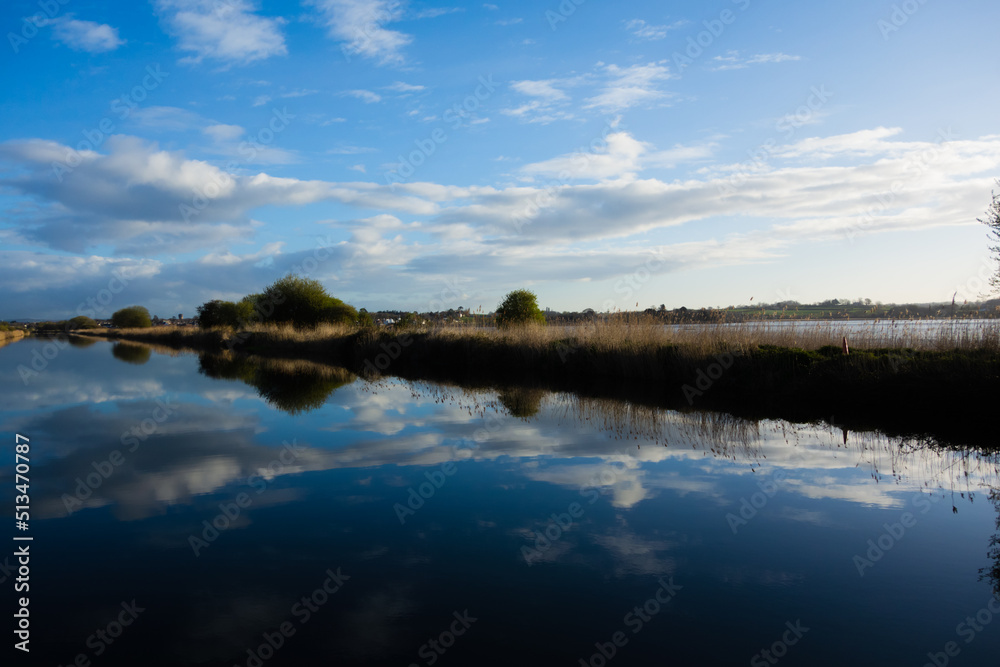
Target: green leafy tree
(992, 220)
(81, 322)
(518, 308)
(365, 319)
(407, 321)
(218, 313)
(304, 302)
(133, 317)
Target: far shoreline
(946, 391)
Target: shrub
(133, 317)
(365, 319)
(407, 321)
(81, 322)
(218, 313)
(519, 307)
(304, 302)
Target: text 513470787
(22, 515)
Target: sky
(427, 155)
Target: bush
(81, 322)
(218, 313)
(365, 319)
(519, 307)
(133, 317)
(303, 302)
(407, 321)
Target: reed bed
(898, 378)
(622, 334)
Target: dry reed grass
(631, 335)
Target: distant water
(290, 514)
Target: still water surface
(221, 508)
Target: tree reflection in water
(292, 386)
(131, 354)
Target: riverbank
(9, 336)
(941, 385)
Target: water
(424, 509)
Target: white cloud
(643, 30)
(358, 167)
(301, 92)
(360, 25)
(732, 60)
(545, 89)
(365, 96)
(629, 87)
(226, 31)
(261, 100)
(401, 87)
(506, 22)
(222, 132)
(128, 199)
(162, 118)
(86, 35)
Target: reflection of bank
(291, 386)
(991, 573)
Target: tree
(992, 220)
(304, 302)
(133, 317)
(406, 321)
(518, 308)
(365, 319)
(81, 322)
(218, 313)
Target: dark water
(399, 523)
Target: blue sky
(430, 156)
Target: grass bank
(900, 381)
